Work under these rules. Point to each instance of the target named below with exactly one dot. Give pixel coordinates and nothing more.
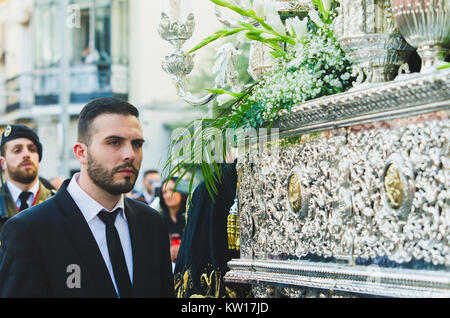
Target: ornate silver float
(356, 203)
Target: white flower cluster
(308, 61)
(316, 67)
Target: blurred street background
(57, 55)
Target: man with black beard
(89, 240)
(20, 154)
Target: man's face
(149, 180)
(21, 161)
(115, 154)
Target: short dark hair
(150, 171)
(100, 106)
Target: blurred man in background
(21, 152)
(151, 184)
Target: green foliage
(443, 67)
(305, 67)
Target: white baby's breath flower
(301, 75)
(295, 62)
(345, 76)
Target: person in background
(56, 182)
(173, 209)
(151, 184)
(90, 56)
(88, 240)
(21, 153)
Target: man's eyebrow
(139, 139)
(114, 137)
(122, 138)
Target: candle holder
(425, 24)
(179, 64)
(367, 32)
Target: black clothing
(23, 200)
(203, 255)
(40, 244)
(8, 207)
(174, 227)
(116, 255)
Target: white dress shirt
(16, 191)
(148, 197)
(90, 208)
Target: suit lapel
(43, 194)
(83, 241)
(11, 208)
(139, 245)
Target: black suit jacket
(39, 244)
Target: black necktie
(23, 200)
(116, 254)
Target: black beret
(20, 131)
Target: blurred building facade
(113, 50)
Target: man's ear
(2, 163)
(80, 151)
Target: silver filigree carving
(264, 291)
(347, 215)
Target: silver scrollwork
(349, 214)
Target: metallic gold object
(233, 227)
(295, 193)
(237, 243)
(298, 193)
(425, 24)
(7, 131)
(393, 186)
(398, 185)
